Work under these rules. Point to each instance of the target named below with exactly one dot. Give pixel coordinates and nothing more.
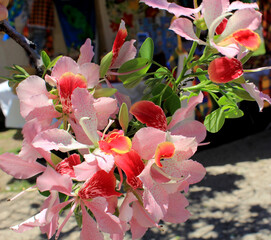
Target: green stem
(246, 58)
(199, 86)
(189, 58)
(196, 74)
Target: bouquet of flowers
(119, 166)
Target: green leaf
(45, 59)
(78, 217)
(156, 100)
(215, 120)
(22, 70)
(239, 80)
(124, 117)
(146, 49)
(53, 63)
(232, 112)
(160, 73)
(172, 104)
(104, 92)
(201, 77)
(243, 94)
(224, 101)
(159, 88)
(55, 159)
(138, 67)
(105, 63)
(45, 193)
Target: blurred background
(234, 199)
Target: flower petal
(177, 201)
(19, 168)
(241, 19)
(126, 53)
(164, 150)
(223, 70)
(104, 161)
(116, 143)
(185, 112)
(146, 140)
(247, 38)
(240, 5)
(101, 184)
(35, 221)
(185, 28)
(86, 53)
(150, 114)
(67, 164)
(51, 180)
(190, 128)
(63, 65)
(107, 222)
(119, 41)
(132, 164)
(104, 107)
(67, 83)
(213, 9)
(89, 227)
(256, 94)
(91, 72)
(82, 102)
(57, 139)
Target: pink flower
(122, 50)
(256, 94)
(238, 29)
(92, 195)
(181, 124)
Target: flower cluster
(120, 166)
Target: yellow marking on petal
(124, 145)
(164, 150)
(247, 38)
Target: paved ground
(232, 202)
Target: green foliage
(105, 63)
(104, 92)
(146, 50)
(215, 120)
(47, 63)
(172, 104)
(18, 75)
(124, 117)
(45, 59)
(135, 69)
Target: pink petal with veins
(19, 168)
(86, 53)
(57, 139)
(177, 201)
(51, 180)
(256, 94)
(63, 65)
(126, 53)
(104, 107)
(146, 140)
(91, 72)
(89, 227)
(241, 19)
(185, 29)
(107, 222)
(213, 9)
